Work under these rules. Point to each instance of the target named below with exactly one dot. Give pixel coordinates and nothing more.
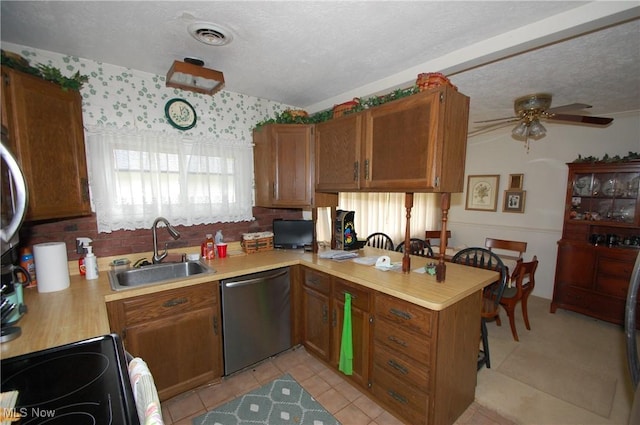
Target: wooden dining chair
(491, 294)
(506, 245)
(380, 240)
(522, 284)
(431, 235)
(418, 247)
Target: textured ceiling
(313, 54)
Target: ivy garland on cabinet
(287, 117)
(46, 72)
(606, 158)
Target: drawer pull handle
(400, 313)
(396, 366)
(397, 396)
(397, 341)
(174, 302)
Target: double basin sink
(157, 273)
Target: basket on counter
(257, 242)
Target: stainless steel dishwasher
(256, 317)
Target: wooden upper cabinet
(338, 144)
(46, 135)
(413, 144)
(284, 167)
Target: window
(384, 212)
(137, 176)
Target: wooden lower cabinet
(593, 280)
(316, 317)
(360, 317)
(419, 364)
(176, 332)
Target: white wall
(545, 178)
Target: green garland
(606, 158)
(46, 72)
(322, 116)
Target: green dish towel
(346, 347)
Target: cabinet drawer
(401, 367)
(150, 307)
(319, 281)
(360, 297)
(405, 314)
(406, 401)
(418, 347)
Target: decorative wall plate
(180, 114)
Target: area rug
(561, 378)
(280, 402)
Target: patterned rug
(280, 402)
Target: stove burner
(70, 373)
(80, 383)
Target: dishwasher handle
(250, 281)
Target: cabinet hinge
(334, 320)
(366, 169)
(215, 325)
(436, 182)
(356, 169)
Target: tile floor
(347, 403)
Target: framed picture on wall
(514, 200)
(482, 192)
(515, 181)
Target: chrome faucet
(157, 258)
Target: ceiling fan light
(537, 130)
(520, 131)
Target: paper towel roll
(52, 270)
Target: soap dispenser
(91, 264)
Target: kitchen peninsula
(445, 318)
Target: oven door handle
(20, 190)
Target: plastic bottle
(29, 264)
(219, 238)
(91, 264)
(82, 243)
(208, 249)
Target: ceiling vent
(210, 34)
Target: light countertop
(79, 312)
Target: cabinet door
(182, 351)
(292, 158)
(316, 327)
(400, 144)
(46, 131)
(360, 314)
(338, 147)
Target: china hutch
(600, 239)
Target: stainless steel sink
(157, 273)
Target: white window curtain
(384, 212)
(136, 176)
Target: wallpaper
(122, 97)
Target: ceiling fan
(530, 109)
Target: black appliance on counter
(85, 382)
(293, 234)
